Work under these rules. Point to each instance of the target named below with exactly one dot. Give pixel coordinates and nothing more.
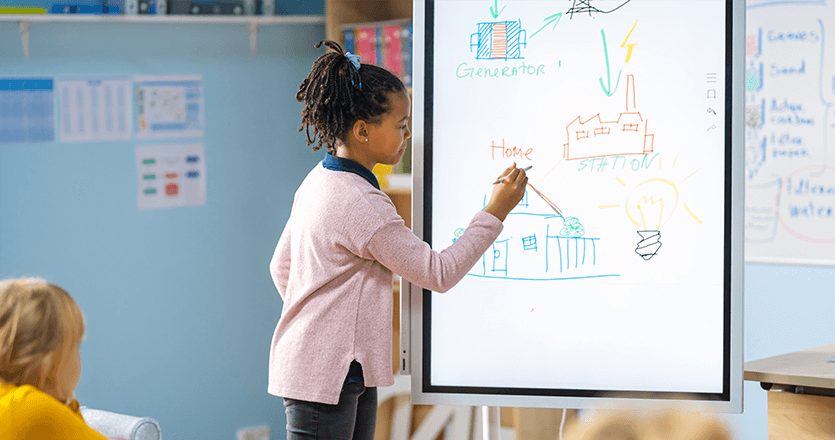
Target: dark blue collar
(332, 162)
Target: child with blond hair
(41, 328)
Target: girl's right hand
(508, 193)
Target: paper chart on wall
(790, 132)
(95, 109)
(27, 110)
(169, 106)
(170, 176)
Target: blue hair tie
(354, 59)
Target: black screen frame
(426, 385)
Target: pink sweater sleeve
(396, 247)
(280, 263)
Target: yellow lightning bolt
(623, 45)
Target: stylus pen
(501, 179)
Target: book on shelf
(387, 44)
(348, 36)
(393, 50)
(22, 10)
(366, 42)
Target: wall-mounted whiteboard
(790, 136)
(618, 279)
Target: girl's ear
(360, 131)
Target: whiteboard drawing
(625, 135)
(649, 244)
(586, 7)
(761, 216)
(790, 99)
(755, 4)
(649, 205)
(540, 244)
(499, 40)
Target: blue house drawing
(540, 247)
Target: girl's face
(387, 140)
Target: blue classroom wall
(179, 304)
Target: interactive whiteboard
(618, 279)
(790, 120)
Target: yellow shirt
(27, 413)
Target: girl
(334, 261)
(41, 328)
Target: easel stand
(490, 422)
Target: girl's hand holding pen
(507, 192)
(501, 179)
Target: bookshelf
(252, 22)
(339, 12)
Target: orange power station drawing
(597, 138)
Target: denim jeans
(353, 418)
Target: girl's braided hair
(336, 95)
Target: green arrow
(608, 75)
(494, 10)
(556, 17)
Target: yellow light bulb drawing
(649, 206)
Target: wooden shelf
(402, 199)
(397, 191)
(251, 21)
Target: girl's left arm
(401, 251)
(280, 263)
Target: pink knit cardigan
(333, 268)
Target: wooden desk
(801, 393)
